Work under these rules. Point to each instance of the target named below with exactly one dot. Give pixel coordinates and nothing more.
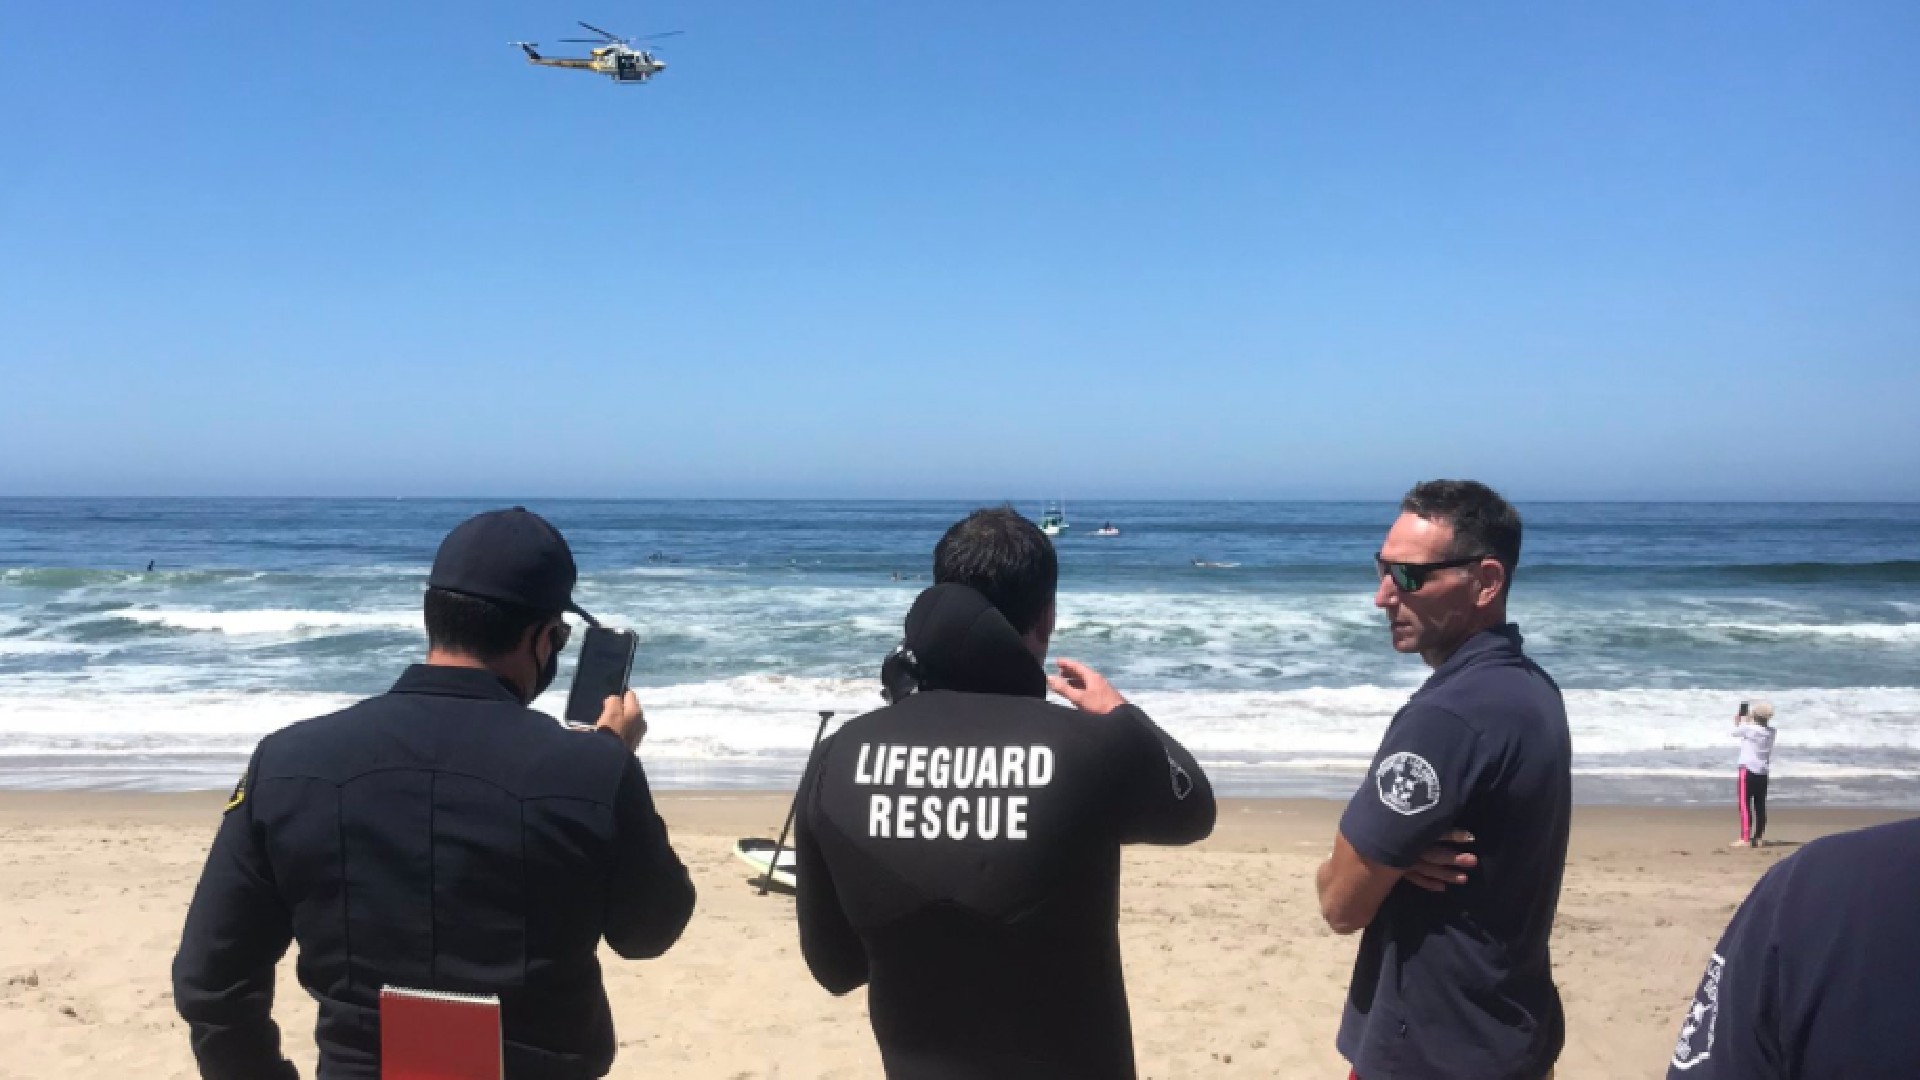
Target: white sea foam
(272, 622)
(219, 718)
(1215, 640)
(1890, 632)
(37, 647)
(644, 572)
(1859, 718)
(1573, 632)
(1800, 770)
(1724, 631)
(760, 718)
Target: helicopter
(614, 57)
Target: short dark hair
(1483, 522)
(1006, 557)
(471, 626)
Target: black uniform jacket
(443, 837)
(960, 849)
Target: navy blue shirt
(1818, 974)
(440, 837)
(1460, 984)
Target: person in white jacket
(1754, 728)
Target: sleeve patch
(239, 795)
(1407, 784)
(1703, 1015)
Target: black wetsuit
(960, 850)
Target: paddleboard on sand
(756, 852)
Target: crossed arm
(1352, 887)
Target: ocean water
(1656, 619)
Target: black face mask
(551, 671)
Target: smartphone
(1743, 708)
(606, 662)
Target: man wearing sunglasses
(1450, 855)
(442, 836)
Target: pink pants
(1753, 805)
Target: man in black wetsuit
(960, 848)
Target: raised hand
(1085, 688)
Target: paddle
(773, 863)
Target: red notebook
(430, 1035)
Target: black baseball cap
(513, 556)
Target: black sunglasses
(1410, 576)
(560, 635)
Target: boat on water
(1107, 530)
(1054, 521)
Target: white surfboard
(758, 853)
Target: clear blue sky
(1254, 249)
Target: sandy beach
(1228, 967)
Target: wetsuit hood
(960, 641)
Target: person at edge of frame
(959, 850)
(442, 836)
(1814, 976)
(1450, 855)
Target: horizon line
(1328, 500)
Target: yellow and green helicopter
(615, 57)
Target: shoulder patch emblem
(1407, 784)
(239, 794)
(1703, 1015)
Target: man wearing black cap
(959, 849)
(442, 836)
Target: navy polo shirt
(1459, 985)
(1818, 974)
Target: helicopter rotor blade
(583, 40)
(650, 37)
(602, 33)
